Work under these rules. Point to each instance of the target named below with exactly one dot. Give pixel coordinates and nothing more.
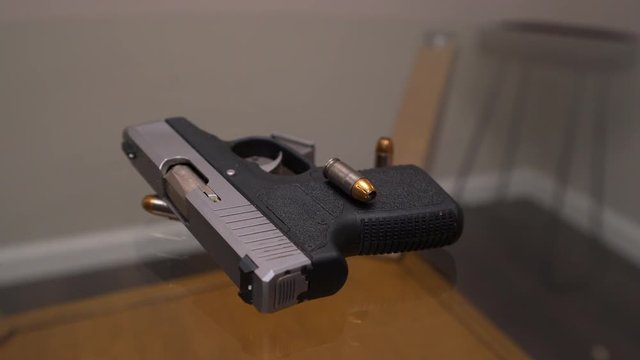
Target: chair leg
(598, 157)
(479, 131)
(565, 157)
(553, 270)
(514, 133)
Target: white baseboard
(620, 233)
(79, 253)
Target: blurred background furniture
(424, 98)
(550, 279)
(590, 56)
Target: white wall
(622, 13)
(74, 73)
(70, 86)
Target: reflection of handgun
(272, 221)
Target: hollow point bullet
(349, 180)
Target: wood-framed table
(389, 308)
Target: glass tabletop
(391, 307)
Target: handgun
(270, 218)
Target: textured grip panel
(408, 207)
(408, 233)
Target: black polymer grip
(411, 211)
